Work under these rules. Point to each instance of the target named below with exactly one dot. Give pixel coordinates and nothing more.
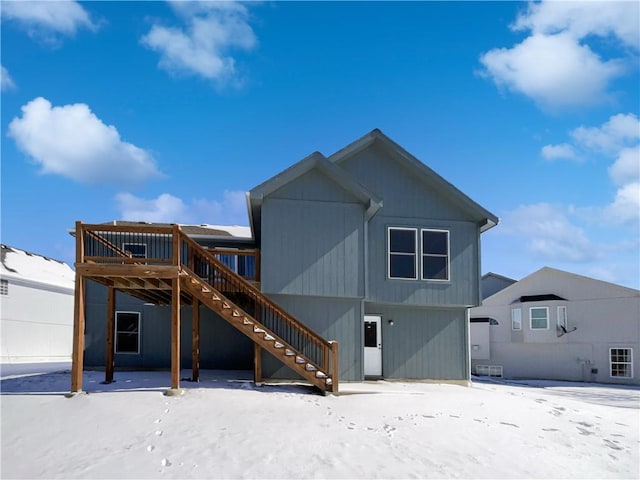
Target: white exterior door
(372, 345)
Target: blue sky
(156, 111)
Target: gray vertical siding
(423, 342)
(333, 319)
(463, 287)
(411, 200)
(312, 248)
(221, 345)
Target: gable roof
(564, 285)
(34, 270)
(376, 136)
(315, 161)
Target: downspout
(368, 215)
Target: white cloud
(556, 65)
(45, 19)
(554, 70)
(625, 208)
(231, 209)
(619, 19)
(202, 47)
(165, 208)
(71, 141)
(626, 168)
(547, 233)
(561, 151)
(617, 138)
(620, 130)
(6, 82)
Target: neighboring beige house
(557, 325)
(36, 307)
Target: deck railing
(159, 245)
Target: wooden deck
(181, 272)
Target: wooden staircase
(257, 332)
(180, 271)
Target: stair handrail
(250, 289)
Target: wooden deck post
(175, 334)
(110, 333)
(77, 356)
(195, 338)
(335, 370)
(257, 364)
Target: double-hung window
(435, 254)
(127, 332)
(621, 362)
(403, 253)
(539, 318)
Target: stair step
(269, 337)
(225, 305)
(278, 345)
(328, 381)
(300, 360)
(310, 368)
(215, 298)
(258, 330)
(289, 353)
(320, 374)
(246, 321)
(236, 313)
(205, 289)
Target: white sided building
(36, 307)
(556, 325)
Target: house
(368, 247)
(492, 283)
(557, 325)
(36, 296)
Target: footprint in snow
(550, 429)
(159, 433)
(611, 445)
(165, 462)
(150, 448)
(157, 420)
(166, 410)
(584, 431)
(510, 424)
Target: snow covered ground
(224, 427)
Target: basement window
(4, 287)
(621, 362)
(127, 332)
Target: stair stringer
(247, 324)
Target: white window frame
(531, 318)
(561, 319)
(124, 247)
(115, 346)
(629, 363)
(422, 255)
(389, 253)
(519, 320)
(4, 286)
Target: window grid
(539, 318)
(4, 287)
(621, 362)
